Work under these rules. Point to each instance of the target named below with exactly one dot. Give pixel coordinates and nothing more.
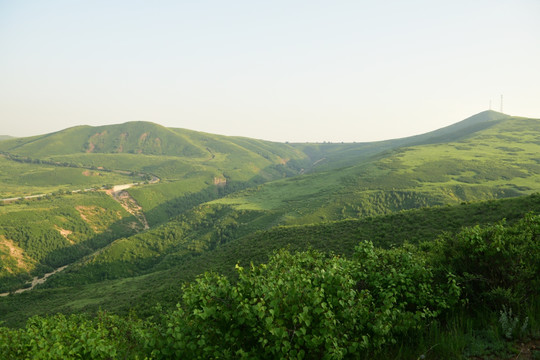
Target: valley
(136, 218)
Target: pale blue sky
(276, 70)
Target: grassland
(23, 179)
(227, 200)
(497, 162)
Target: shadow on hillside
(68, 255)
(121, 229)
(178, 205)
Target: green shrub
(75, 337)
(307, 305)
(496, 265)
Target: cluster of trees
(36, 230)
(315, 305)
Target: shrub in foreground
(307, 305)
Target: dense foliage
(496, 265)
(308, 305)
(311, 304)
(38, 236)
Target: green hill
(222, 199)
(188, 163)
(186, 168)
(329, 156)
(132, 137)
(494, 162)
(37, 236)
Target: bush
(496, 265)
(307, 305)
(75, 337)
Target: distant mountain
(334, 155)
(5, 137)
(132, 138)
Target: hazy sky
(276, 70)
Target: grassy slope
(496, 162)
(480, 164)
(163, 286)
(23, 179)
(329, 156)
(187, 162)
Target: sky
(298, 71)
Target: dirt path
(120, 194)
(36, 281)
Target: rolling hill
(228, 198)
(329, 156)
(187, 168)
(76, 289)
(499, 159)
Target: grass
(480, 167)
(23, 179)
(57, 230)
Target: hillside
(38, 236)
(193, 167)
(329, 156)
(497, 161)
(181, 169)
(76, 289)
(220, 200)
(139, 137)
(5, 137)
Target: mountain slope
(132, 137)
(497, 162)
(215, 191)
(187, 162)
(500, 160)
(332, 156)
(185, 167)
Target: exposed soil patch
(90, 173)
(95, 139)
(65, 233)
(91, 148)
(283, 161)
(120, 194)
(220, 181)
(15, 252)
